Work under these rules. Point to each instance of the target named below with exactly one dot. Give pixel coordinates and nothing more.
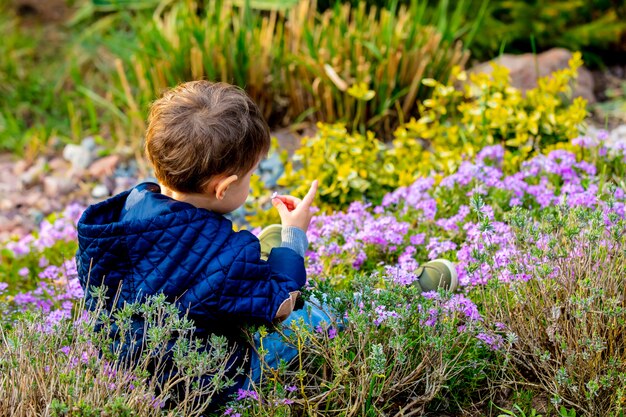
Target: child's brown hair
(200, 129)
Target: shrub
(489, 111)
(568, 318)
(59, 370)
(524, 232)
(395, 353)
(454, 124)
(46, 255)
(430, 219)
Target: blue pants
(276, 345)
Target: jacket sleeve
(254, 289)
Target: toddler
(204, 140)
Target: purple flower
(433, 314)
(51, 272)
(418, 239)
(400, 274)
(494, 153)
(436, 248)
(382, 315)
(585, 142)
(494, 342)
(460, 303)
(332, 332)
(242, 394)
(158, 404)
(231, 412)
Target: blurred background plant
(595, 27)
(112, 58)
(30, 109)
(346, 64)
(303, 61)
(615, 105)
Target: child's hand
(296, 212)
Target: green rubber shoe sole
(270, 237)
(438, 273)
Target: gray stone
(287, 140)
(270, 170)
(20, 167)
(79, 156)
(617, 135)
(6, 204)
(100, 191)
(525, 69)
(34, 174)
(57, 186)
(89, 143)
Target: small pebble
(100, 191)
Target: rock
(525, 69)
(6, 204)
(57, 186)
(127, 169)
(89, 143)
(100, 191)
(270, 170)
(103, 166)
(34, 174)
(32, 197)
(79, 156)
(36, 215)
(20, 167)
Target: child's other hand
(296, 212)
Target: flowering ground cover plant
(540, 254)
(67, 369)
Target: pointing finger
(310, 196)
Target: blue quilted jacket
(147, 243)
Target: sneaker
(270, 237)
(439, 273)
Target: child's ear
(222, 186)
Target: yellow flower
(360, 91)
